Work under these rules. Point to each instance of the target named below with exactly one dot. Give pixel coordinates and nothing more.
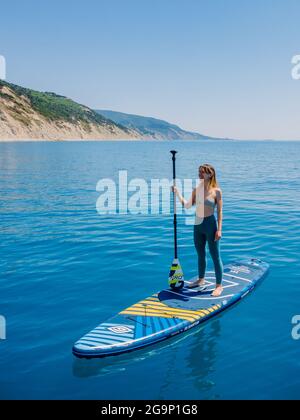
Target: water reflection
(194, 353)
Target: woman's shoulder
(218, 192)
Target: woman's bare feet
(197, 283)
(217, 292)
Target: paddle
(176, 278)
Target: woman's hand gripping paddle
(176, 278)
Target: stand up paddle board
(170, 312)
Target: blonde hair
(210, 170)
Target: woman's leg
(214, 249)
(200, 243)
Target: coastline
(60, 140)
(141, 139)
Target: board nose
(84, 349)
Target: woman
(206, 228)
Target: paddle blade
(176, 278)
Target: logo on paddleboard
(240, 269)
(120, 329)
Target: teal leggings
(205, 232)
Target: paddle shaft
(174, 202)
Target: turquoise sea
(64, 269)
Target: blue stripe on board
(85, 343)
(139, 327)
(90, 339)
(89, 343)
(161, 324)
(109, 337)
(157, 325)
(96, 341)
(174, 321)
(144, 320)
(106, 332)
(152, 325)
(167, 320)
(149, 328)
(164, 323)
(101, 341)
(177, 321)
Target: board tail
(176, 277)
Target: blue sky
(220, 67)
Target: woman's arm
(185, 203)
(219, 197)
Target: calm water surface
(64, 269)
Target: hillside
(151, 127)
(27, 114)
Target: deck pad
(236, 278)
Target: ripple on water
(64, 268)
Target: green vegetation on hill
(22, 103)
(151, 127)
(55, 107)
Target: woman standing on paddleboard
(207, 228)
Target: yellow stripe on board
(157, 314)
(152, 306)
(188, 311)
(165, 309)
(162, 310)
(158, 305)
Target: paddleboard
(170, 312)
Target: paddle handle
(174, 203)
